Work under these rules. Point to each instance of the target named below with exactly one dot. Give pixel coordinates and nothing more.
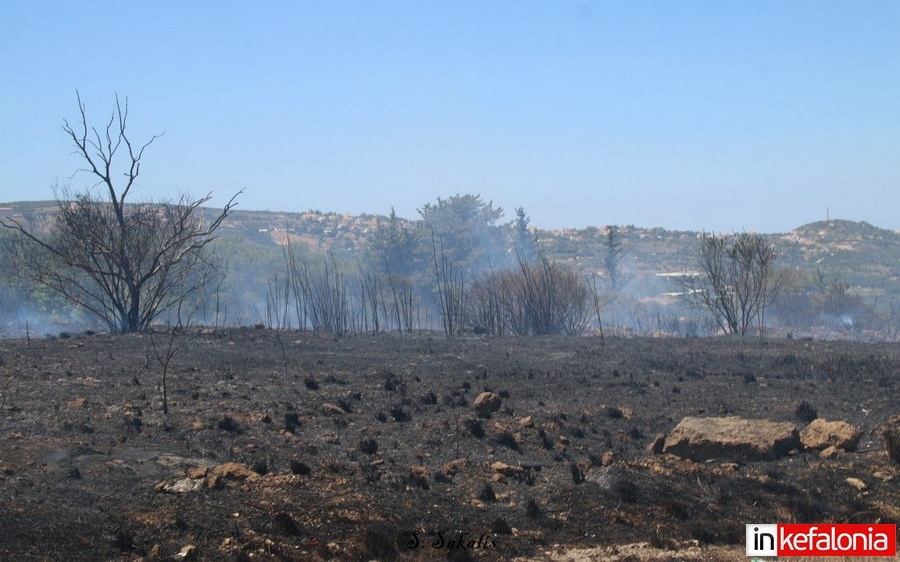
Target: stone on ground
(732, 438)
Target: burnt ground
(352, 443)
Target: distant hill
(858, 253)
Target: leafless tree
(451, 289)
(125, 263)
(737, 282)
(540, 297)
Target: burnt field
(300, 446)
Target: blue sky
(721, 115)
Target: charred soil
(300, 446)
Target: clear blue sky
(719, 115)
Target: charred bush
(532, 509)
(430, 398)
(344, 405)
(614, 413)
(378, 543)
(545, 439)
(370, 472)
(577, 473)
(300, 468)
(418, 481)
(805, 412)
(501, 527)
(486, 494)
(291, 422)
(393, 383)
(891, 437)
(260, 467)
(398, 414)
(123, 540)
(368, 446)
(284, 524)
(331, 379)
(625, 490)
(506, 439)
(441, 476)
(474, 427)
(311, 383)
(228, 424)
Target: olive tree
(124, 262)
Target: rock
(452, 467)
(820, 434)
(334, 409)
(182, 486)
(527, 421)
(856, 483)
(732, 437)
(78, 402)
(506, 469)
(829, 452)
(607, 458)
(196, 472)
(186, 553)
(487, 403)
(656, 447)
(230, 471)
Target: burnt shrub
(368, 446)
(381, 416)
(418, 481)
(506, 439)
(311, 383)
(486, 494)
(430, 398)
(576, 431)
(532, 509)
(891, 437)
(545, 439)
(614, 413)
(284, 524)
(805, 412)
(399, 414)
(393, 383)
(344, 405)
(291, 422)
(577, 473)
(331, 379)
(378, 543)
(300, 468)
(501, 527)
(228, 424)
(625, 490)
(475, 428)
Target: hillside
(862, 256)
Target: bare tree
(737, 282)
(451, 289)
(125, 263)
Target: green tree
(613, 254)
(466, 229)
